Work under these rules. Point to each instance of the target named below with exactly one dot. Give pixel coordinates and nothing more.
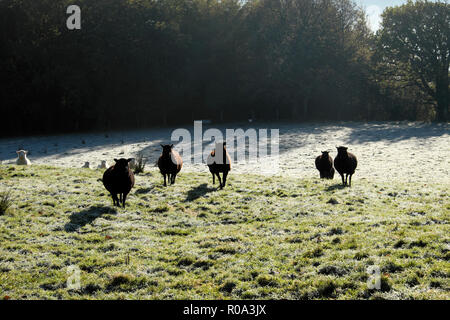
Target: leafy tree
(141, 63)
(414, 45)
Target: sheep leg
(124, 199)
(225, 174)
(120, 198)
(214, 178)
(350, 180)
(342, 176)
(346, 179)
(165, 184)
(173, 178)
(115, 200)
(220, 180)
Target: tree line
(143, 63)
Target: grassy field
(259, 238)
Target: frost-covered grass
(400, 151)
(259, 238)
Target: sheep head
(122, 164)
(221, 145)
(167, 149)
(21, 153)
(342, 150)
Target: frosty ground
(286, 236)
(406, 151)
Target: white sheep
(86, 165)
(22, 158)
(103, 165)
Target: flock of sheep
(118, 179)
(345, 164)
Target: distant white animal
(22, 158)
(86, 165)
(103, 165)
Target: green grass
(259, 238)
(5, 202)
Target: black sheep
(169, 163)
(119, 179)
(324, 163)
(219, 161)
(345, 163)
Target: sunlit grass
(259, 238)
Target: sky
(374, 8)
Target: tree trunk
(442, 97)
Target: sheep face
(22, 154)
(219, 154)
(342, 150)
(103, 164)
(325, 154)
(22, 158)
(122, 164)
(220, 145)
(167, 149)
(218, 148)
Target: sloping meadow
(259, 238)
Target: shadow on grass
(334, 187)
(394, 131)
(198, 192)
(82, 218)
(143, 190)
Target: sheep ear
(161, 145)
(130, 159)
(171, 146)
(115, 160)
